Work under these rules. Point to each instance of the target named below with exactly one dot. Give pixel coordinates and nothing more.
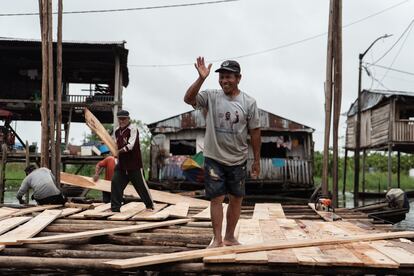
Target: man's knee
(235, 199)
(217, 200)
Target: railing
(284, 170)
(403, 131)
(88, 98)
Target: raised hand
(203, 71)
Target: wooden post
(345, 167)
(116, 89)
(44, 159)
(398, 168)
(59, 94)
(389, 166)
(67, 128)
(337, 95)
(3, 171)
(364, 156)
(328, 104)
(52, 126)
(27, 163)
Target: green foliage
(376, 176)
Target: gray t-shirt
(227, 122)
(42, 182)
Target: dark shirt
(128, 139)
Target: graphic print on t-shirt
(228, 118)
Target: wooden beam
(59, 91)
(328, 104)
(44, 161)
(196, 254)
(94, 233)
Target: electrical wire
(395, 43)
(124, 9)
(293, 43)
(391, 69)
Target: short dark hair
(29, 169)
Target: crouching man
(43, 184)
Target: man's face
(123, 121)
(229, 82)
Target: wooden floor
(77, 240)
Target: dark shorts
(56, 199)
(221, 179)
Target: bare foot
(215, 244)
(230, 241)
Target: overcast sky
(287, 81)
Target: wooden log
(44, 157)
(86, 234)
(106, 247)
(195, 254)
(59, 92)
(57, 263)
(66, 253)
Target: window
(183, 147)
(271, 150)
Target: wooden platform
(91, 239)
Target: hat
(230, 66)
(122, 113)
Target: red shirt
(109, 164)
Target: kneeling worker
(42, 181)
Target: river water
(407, 224)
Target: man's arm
(256, 143)
(98, 169)
(203, 72)
(24, 187)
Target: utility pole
(358, 124)
(333, 95)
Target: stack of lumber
(79, 238)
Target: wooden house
(387, 124)
(286, 151)
(100, 66)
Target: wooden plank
(250, 233)
(261, 211)
(397, 254)
(93, 123)
(196, 254)
(105, 185)
(143, 215)
(365, 251)
(30, 228)
(203, 215)
(271, 232)
(69, 211)
(179, 210)
(98, 209)
(94, 233)
(206, 213)
(30, 210)
(128, 210)
(10, 223)
(7, 212)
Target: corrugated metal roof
(13, 39)
(371, 98)
(195, 119)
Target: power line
(396, 42)
(277, 47)
(125, 9)
(391, 69)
